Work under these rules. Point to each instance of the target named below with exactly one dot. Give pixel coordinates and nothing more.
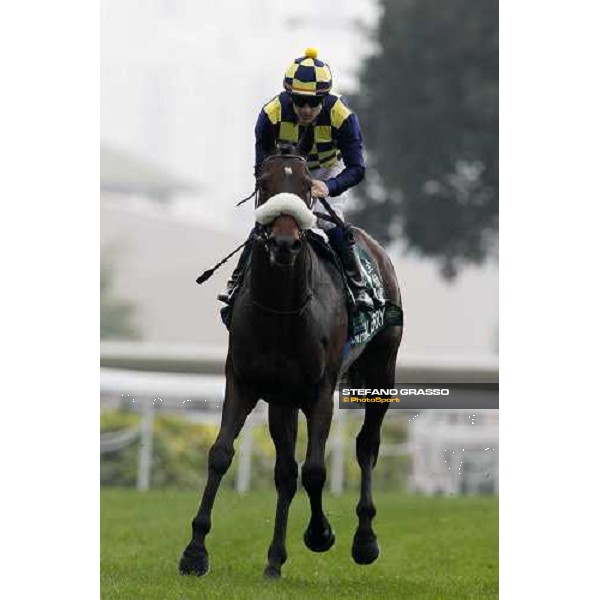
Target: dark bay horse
(288, 329)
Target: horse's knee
(313, 477)
(286, 477)
(219, 458)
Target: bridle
(331, 216)
(258, 185)
(261, 177)
(291, 312)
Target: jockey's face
(307, 114)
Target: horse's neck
(280, 289)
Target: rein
(287, 313)
(284, 313)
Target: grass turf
(440, 548)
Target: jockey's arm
(265, 134)
(351, 146)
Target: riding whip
(209, 273)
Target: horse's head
(285, 170)
(284, 201)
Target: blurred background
(182, 83)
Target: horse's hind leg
(365, 548)
(319, 536)
(376, 369)
(283, 425)
(238, 404)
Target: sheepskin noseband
(286, 204)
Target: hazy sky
(182, 81)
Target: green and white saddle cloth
(363, 326)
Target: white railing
(189, 378)
(201, 398)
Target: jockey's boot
(345, 246)
(236, 276)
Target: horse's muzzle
(283, 250)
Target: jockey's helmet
(308, 76)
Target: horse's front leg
(238, 404)
(283, 425)
(318, 537)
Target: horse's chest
(280, 356)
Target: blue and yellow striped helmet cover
(308, 75)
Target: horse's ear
(306, 141)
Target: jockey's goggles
(312, 101)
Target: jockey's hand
(319, 189)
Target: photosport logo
(422, 395)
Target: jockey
(335, 162)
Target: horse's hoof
(366, 550)
(194, 562)
(272, 572)
(321, 541)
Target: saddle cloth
(362, 326)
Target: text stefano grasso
(396, 392)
